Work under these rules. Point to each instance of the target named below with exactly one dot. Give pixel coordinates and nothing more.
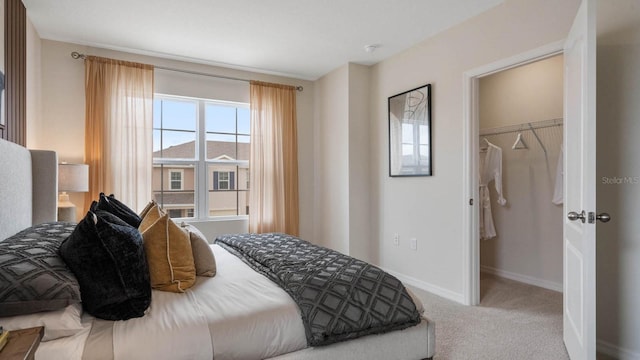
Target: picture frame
(410, 152)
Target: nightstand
(22, 344)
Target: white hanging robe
(490, 169)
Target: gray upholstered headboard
(28, 187)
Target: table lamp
(71, 178)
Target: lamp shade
(73, 177)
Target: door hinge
(471, 202)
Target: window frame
(200, 163)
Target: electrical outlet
(413, 244)
(396, 239)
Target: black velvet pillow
(108, 259)
(117, 208)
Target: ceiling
(299, 38)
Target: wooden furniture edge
(22, 344)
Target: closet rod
(77, 55)
(521, 127)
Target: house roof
(215, 150)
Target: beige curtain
(118, 138)
(273, 162)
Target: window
(175, 179)
(415, 146)
(223, 180)
(200, 156)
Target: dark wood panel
(15, 56)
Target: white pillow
(57, 323)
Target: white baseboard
(616, 351)
(422, 285)
(522, 278)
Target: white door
(580, 186)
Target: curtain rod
(521, 127)
(77, 55)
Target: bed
(238, 314)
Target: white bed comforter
(249, 317)
(238, 314)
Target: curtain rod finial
(77, 55)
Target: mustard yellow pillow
(151, 213)
(146, 209)
(168, 251)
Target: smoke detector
(371, 48)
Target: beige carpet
(513, 321)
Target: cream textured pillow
(168, 251)
(202, 254)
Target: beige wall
(528, 246)
(359, 164)
(618, 157)
(343, 134)
(332, 226)
(528, 93)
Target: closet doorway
(520, 125)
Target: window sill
(213, 219)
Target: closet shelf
(521, 127)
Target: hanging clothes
(490, 169)
(558, 195)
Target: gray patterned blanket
(340, 297)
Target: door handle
(573, 216)
(604, 217)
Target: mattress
(238, 314)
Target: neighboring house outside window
(201, 154)
(175, 213)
